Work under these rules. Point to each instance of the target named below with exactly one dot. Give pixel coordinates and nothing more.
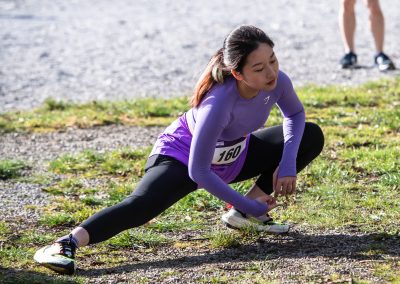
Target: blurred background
(105, 50)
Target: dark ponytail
(237, 46)
(214, 72)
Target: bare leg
(377, 23)
(347, 23)
(255, 192)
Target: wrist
(261, 210)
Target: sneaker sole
(386, 68)
(59, 264)
(233, 223)
(350, 67)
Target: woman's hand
(284, 186)
(270, 200)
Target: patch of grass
(117, 191)
(247, 274)
(77, 198)
(371, 94)
(4, 230)
(390, 179)
(375, 249)
(39, 179)
(23, 277)
(224, 239)
(172, 222)
(360, 281)
(11, 169)
(70, 186)
(355, 180)
(138, 237)
(388, 271)
(33, 237)
(329, 104)
(77, 163)
(91, 201)
(55, 220)
(64, 211)
(121, 162)
(16, 257)
(169, 273)
(342, 206)
(50, 104)
(379, 161)
(199, 200)
(58, 115)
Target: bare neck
(245, 91)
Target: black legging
(167, 180)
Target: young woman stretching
(214, 144)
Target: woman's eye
(273, 61)
(259, 70)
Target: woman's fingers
(272, 206)
(289, 187)
(285, 186)
(274, 177)
(278, 187)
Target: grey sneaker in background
(349, 60)
(383, 62)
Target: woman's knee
(348, 5)
(374, 7)
(314, 136)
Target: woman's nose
(270, 71)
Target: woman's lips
(271, 82)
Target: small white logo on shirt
(266, 100)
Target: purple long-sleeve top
(212, 139)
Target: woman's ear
(237, 75)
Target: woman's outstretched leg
(163, 184)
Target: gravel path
(97, 49)
(38, 149)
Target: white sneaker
(59, 257)
(237, 220)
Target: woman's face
(260, 71)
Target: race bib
(227, 152)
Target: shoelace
(265, 221)
(67, 248)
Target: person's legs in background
(347, 24)
(377, 23)
(377, 26)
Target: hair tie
(216, 73)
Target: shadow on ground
(294, 245)
(15, 276)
